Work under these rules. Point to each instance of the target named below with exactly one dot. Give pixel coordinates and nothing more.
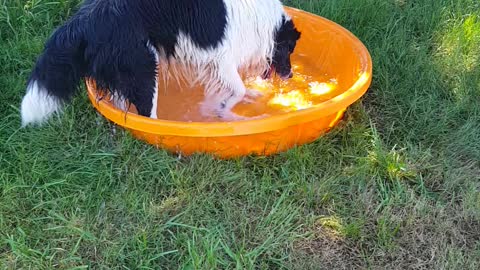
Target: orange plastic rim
(332, 49)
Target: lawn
(394, 186)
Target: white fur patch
(248, 44)
(153, 113)
(38, 105)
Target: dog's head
(286, 39)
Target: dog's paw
(253, 93)
(230, 116)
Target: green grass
(396, 185)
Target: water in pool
(308, 87)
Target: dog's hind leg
(138, 82)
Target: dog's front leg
(235, 90)
(228, 93)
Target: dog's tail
(56, 74)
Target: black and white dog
(119, 44)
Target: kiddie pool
(332, 70)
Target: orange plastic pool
(332, 69)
